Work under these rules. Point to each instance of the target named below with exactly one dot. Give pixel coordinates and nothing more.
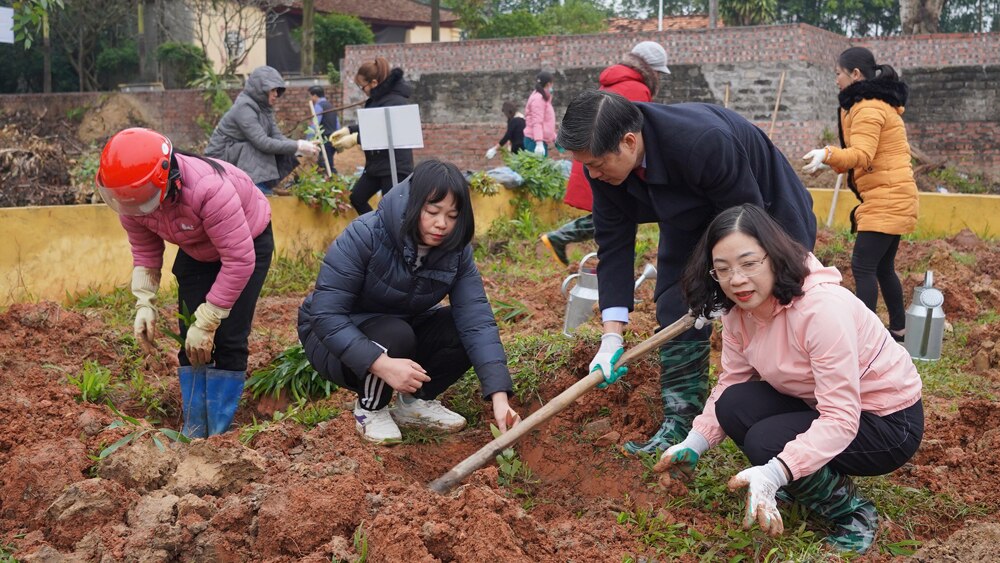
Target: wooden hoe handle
(449, 480)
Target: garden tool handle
(449, 480)
(566, 283)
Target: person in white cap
(637, 77)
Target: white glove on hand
(681, 459)
(815, 158)
(345, 142)
(307, 148)
(342, 132)
(200, 338)
(491, 152)
(611, 349)
(540, 148)
(145, 282)
(762, 482)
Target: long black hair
(863, 60)
(785, 257)
(174, 176)
(431, 182)
(542, 80)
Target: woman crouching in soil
(813, 388)
(221, 223)
(375, 324)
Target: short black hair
(785, 256)
(431, 182)
(596, 121)
(316, 91)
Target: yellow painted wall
(422, 34)
(941, 215)
(51, 252)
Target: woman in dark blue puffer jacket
(375, 323)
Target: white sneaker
(410, 411)
(376, 426)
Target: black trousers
(674, 249)
(874, 264)
(366, 187)
(195, 280)
(761, 421)
(431, 340)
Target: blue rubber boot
(223, 391)
(193, 401)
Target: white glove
(540, 148)
(145, 282)
(682, 458)
(815, 158)
(307, 148)
(611, 349)
(491, 152)
(200, 339)
(342, 132)
(703, 321)
(762, 482)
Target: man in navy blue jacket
(679, 166)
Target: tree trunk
(713, 14)
(46, 56)
(308, 58)
(920, 16)
(435, 20)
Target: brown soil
(300, 495)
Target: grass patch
(292, 274)
(306, 414)
(116, 307)
(946, 378)
(465, 398)
(418, 436)
(533, 357)
(93, 382)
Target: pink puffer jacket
(215, 218)
(539, 119)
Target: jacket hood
(394, 84)
(820, 274)
(616, 74)
(892, 92)
(261, 81)
(391, 210)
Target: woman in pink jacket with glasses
(813, 388)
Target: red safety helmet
(134, 171)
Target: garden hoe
(465, 468)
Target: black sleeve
(614, 232)
(724, 176)
(510, 131)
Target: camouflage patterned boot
(683, 388)
(577, 230)
(832, 496)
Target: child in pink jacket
(813, 388)
(539, 116)
(221, 223)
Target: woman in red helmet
(221, 224)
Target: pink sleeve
(735, 369)
(226, 226)
(830, 340)
(147, 246)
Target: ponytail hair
(377, 69)
(542, 80)
(863, 60)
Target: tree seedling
(187, 317)
(138, 429)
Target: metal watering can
(580, 300)
(925, 321)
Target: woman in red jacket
(636, 78)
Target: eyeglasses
(363, 86)
(748, 268)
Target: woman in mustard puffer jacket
(876, 156)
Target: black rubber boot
(684, 390)
(577, 230)
(833, 497)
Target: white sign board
(7, 25)
(405, 128)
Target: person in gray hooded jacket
(248, 137)
(375, 323)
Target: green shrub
(542, 176)
(483, 183)
(290, 372)
(331, 195)
(183, 62)
(92, 382)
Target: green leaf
(114, 447)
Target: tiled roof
(385, 11)
(697, 21)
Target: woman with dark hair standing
(812, 388)
(876, 156)
(375, 323)
(637, 78)
(384, 88)
(221, 223)
(540, 116)
(515, 130)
